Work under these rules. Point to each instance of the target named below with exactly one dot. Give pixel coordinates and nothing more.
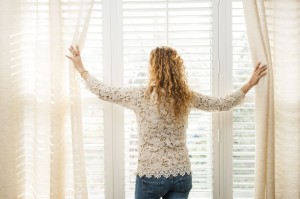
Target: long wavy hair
(167, 78)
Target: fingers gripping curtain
(273, 29)
(41, 146)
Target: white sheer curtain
(41, 147)
(273, 28)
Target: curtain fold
(273, 29)
(41, 146)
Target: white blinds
(243, 116)
(187, 26)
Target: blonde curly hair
(167, 73)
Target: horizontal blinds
(186, 26)
(243, 116)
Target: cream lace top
(162, 149)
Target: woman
(162, 108)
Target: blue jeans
(177, 187)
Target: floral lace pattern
(162, 149)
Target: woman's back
(162, 140)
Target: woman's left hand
(75, 58)
(259, 72)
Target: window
(123, 32)
(194, 28)
(211, 38)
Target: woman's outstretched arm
(210, 103)
(124, 96)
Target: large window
(211, 38)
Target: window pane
(186, 26)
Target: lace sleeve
(210, 103)
(124, 96)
